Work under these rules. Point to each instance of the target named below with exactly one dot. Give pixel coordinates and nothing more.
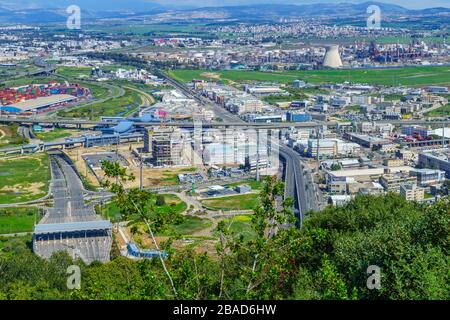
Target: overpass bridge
(235, 123)
(86, 142)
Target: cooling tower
(332, 58)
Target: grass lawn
(189, 226)
(255, 185)
(239, 202)
(30, 80)
(414, 76)
(121, 106)
(24, 179)
(172, 203)
(74, 72)
(353, 108)
(241, 226)
(9, 245)
(9, 136)
(17, 220)
(57, 133)
(439, 112)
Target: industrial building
(365, 140)
(38, 103)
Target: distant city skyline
(143, 4)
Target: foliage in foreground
(327, 259)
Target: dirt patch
(31, 188)
(210, 75)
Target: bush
(160, 201)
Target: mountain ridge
(250, 12)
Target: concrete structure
(165, 145)
(332, 57)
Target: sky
(142, 4)
(412, 4)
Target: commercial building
(339, 200)
(338, 187)
(439, 159)
(265, 90)
(252, 163)
(330, 148)
(364, 174)
(393, 181)
(393, 162)
(412, 192)
(298, 84)
(417, 131)
(298, 117)
(428, 176)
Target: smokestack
(332, 57)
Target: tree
(136, 205)
(160, 200)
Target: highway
(68, 194)
(71, 225)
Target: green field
(121, 106)
(29, 80)
(10, 245)
(24, 179)
(440, 112)
(74, 72)
(173, 203)
(188, 226)
(239, 202)
(9, 136)
(413, 76)
(57, 133)
(18, 220)
(154, 29)
(255, 185)
(241, 226)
